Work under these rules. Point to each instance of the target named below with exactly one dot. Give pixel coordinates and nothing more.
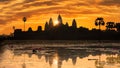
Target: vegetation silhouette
(117, 26)
(65, 32)
(110, 25)
(24, 20)
(99, 21)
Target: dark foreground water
(59, 54)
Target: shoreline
(59, 42)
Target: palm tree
(24, 20)
(99, 21)
(14, 28)
(117, 26)
(110, 25)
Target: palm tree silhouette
(14, 28)
(99, 21)
(110, 25)
(24, 20)
(117, 26)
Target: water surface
(60, 54)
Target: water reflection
(59, 57)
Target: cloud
(40, 4)
(14, 9)
(2, 22)
(110, 2)
(5, 0)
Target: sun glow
(55, 61)
(56, 22)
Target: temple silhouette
(65, 32)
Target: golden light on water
(17, 61)
(55, 61)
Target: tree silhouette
(39, 29)
(117, 26)
(99, 21)
(29, 29)
(110, 25)
(24, 20)
(14, 28)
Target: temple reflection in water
(59, 57)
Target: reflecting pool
(60, 55)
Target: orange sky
(39, 11)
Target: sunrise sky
(39, 11)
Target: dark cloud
(14, 10)
(110, 2)
(28, 1)
(48, 3)
(53, 7)
(80, 4)
(5, 0)
(26, 4)
(2, 2)
(2, 22)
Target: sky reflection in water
(59, 57)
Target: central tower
(60, 20)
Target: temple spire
(46, 26)
(50, 23)
(60, 20)
(74, 25)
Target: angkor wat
(65, 32)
